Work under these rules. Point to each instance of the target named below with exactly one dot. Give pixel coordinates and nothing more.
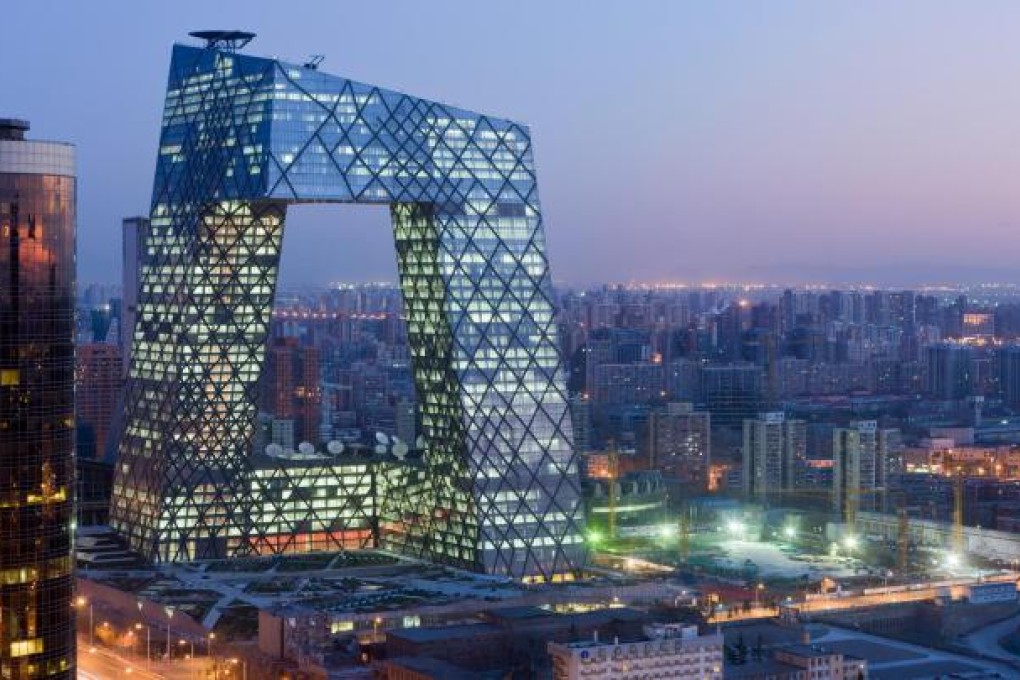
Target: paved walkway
(985, 641)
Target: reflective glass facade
(37, 213)
(243, 137)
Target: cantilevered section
(244, 137)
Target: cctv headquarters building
(495, 489)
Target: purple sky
(674, 140)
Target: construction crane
(613, 474)
(902, 538)
(958, 542)
(955, 468)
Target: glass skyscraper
(243, 137)
(37, 213)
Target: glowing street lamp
(169, 617)
(81, 603)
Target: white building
(772, 446)
(668, 651)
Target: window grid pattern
(243, 137)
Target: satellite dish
(335, 447)
(274, 450)
(419, 443)
(380, 449)
(306, 448)
(400, 450)
(382, 439)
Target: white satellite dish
(306, 448)
(335, 447)
(382, 439)
(419, 443)
(274, 450)
(380, 449)
(400, 450)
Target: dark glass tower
(37, 213)
(243, 137)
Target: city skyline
(746, 160)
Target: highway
(878, 596)
(100, 663)
(97, 663)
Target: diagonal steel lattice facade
(242, 138)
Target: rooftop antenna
(314, 61)
(227, 41)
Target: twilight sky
(675, 140)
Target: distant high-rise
(291, 388)
(1009, 374)
(733, 392)
(855, 463)
(950, 373)
(772, 447)
(37, 222)
(680, 444)
(889, 452)
(580, 416)
(135, 230)
(98, 379)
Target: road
(96, 663)
(100, 663)
(890, 595)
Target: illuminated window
(26, 647)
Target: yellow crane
(902, 538)
(954, 467)
(958, 542)
(613, 474)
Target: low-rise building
(666, 651)
(801, 662)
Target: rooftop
(13, 129)
(457, 632)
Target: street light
(169, 616)
(148, 641)
(208, 643)
(81, 603)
